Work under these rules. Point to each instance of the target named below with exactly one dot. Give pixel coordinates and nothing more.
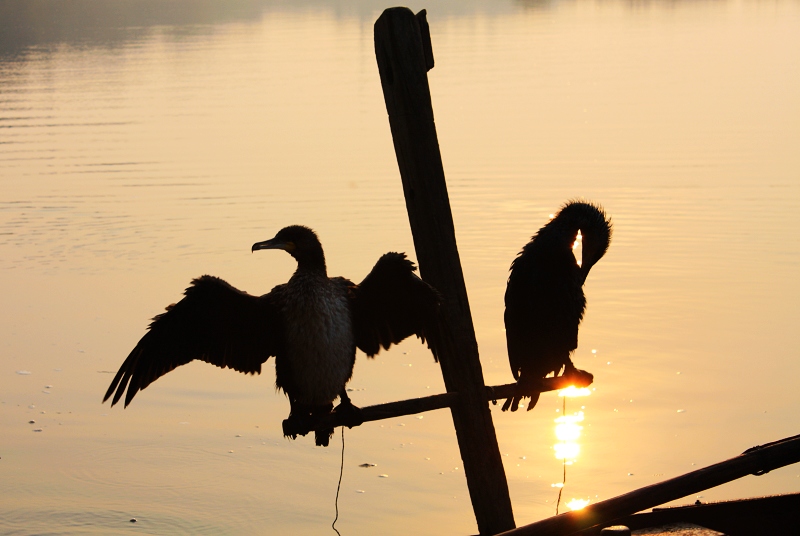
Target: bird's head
(595, 228)
(300, 242)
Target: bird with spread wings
(312, 325)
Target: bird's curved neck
(595, 231)
(595, 244)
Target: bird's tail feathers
(323, 437)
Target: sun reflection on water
(577, 504)
(567, 428)
(568, 431)
(572, 391)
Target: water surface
(143, 144)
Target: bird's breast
(320, 348)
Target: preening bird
(312, 325)
(544, 296)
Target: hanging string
(338, 487)
(563, 460)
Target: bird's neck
(595, 243)
(595, 231)
(312, 262)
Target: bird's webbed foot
(512, 403)
(351, 414)
(581, 377)
(302, 419)
(296, 425)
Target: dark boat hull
(778, 514)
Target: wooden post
(404, 54)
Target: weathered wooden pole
(404, 53)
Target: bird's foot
(297, 425)
(511, 403)
(582, 378)
(526, 387)
(294, 426)
(351, 415)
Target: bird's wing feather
(215, 323)
(392, 303)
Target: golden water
(143, 144)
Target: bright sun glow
(570, 419)
(577, 504)
(567, 451)
(568, 432)
(573, 391)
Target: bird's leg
(318, 412)
(344, 398)
(321, 437)
(351, 415)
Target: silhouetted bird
(312, 325)
(544, 297)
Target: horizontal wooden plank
(429, 403)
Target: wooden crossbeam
(579, 379)
(414, 406)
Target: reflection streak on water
(577, 504)
(568, 431)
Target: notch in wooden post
(425, 33)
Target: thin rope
(563, 461)
(338, 487)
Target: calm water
(145, 143)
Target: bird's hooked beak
(274, 243)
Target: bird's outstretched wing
(392, 303)
(215, 323)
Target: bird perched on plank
(312, 325)
(544, 297)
